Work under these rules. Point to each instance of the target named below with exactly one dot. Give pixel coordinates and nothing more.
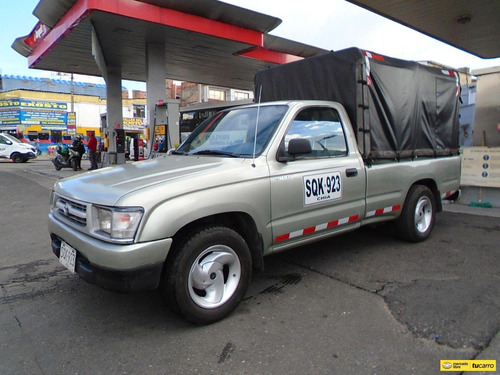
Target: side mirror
(296, 146)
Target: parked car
(12, 148)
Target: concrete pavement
(493, 349)
(361, 303)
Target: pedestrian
(92, 148)
(80, 149)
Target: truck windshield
(232, 133)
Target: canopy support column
(114, 110)
(155, 84)
(114, 104)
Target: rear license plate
(67, 257)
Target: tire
(74, 166)
(419, 212)
(208, 275)
(17, 158)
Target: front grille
(73, 211)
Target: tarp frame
(398, 109)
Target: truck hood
(110, 186)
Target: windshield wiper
(175, 152)
(216, 152)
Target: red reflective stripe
(448, 194)
(309, 230)
(332, 224)
(317, 228)
(283, 237)
(374, 56)
(381, 211)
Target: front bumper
(30, 155)
(117, 267)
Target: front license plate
(67, 257)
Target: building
(53, 111)
(193, 93)
(487, 129)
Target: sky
(328, 24)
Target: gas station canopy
(469, 25)
(208, 41)
(205, 41)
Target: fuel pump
(166, 124)
(120, 140)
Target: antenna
(256, 127)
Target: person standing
(92, 149)
(80, 149)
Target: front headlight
(119, 223)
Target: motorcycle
(66, 158)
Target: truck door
(320, 192)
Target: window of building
(32, 136)
(139, 110)
(56, 136)
(240, 95)
(43, 136)
(216, 94)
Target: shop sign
(480, 166)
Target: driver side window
(321, 126)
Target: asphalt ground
(360, 303)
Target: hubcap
(423, 214)
(214, 276)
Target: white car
(13, 148)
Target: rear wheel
(417, 218)
(208, 275)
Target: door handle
(351, 172)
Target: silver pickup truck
(248, 182)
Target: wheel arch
(432, 185)
(240, 222)
(15, 155)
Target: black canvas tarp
(398, 109)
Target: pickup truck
(248, 182)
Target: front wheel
(17, 158)
(208, 275)
(417, 218)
